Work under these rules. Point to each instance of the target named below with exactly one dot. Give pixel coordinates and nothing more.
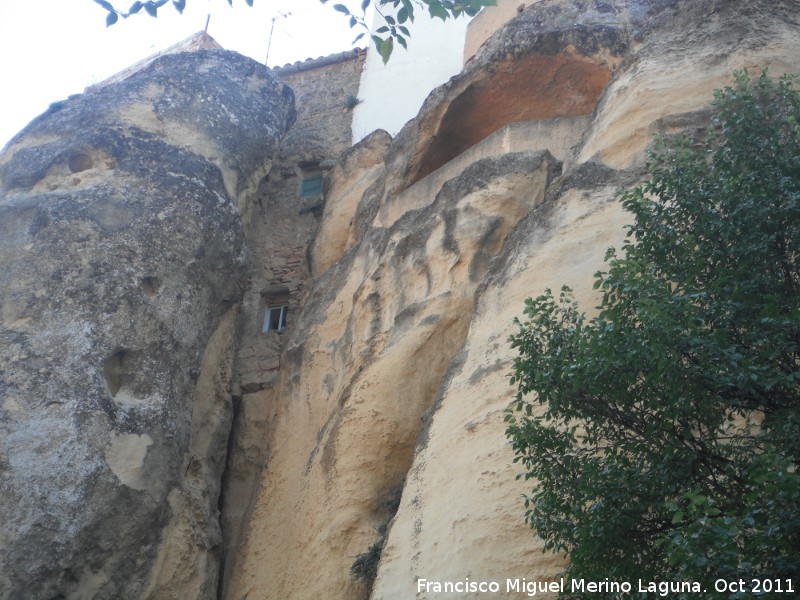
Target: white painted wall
(392, 94)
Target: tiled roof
(321, 61)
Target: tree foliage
(150, 7)
(397, 15)
(662, 437)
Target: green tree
(396, 14)
(662, 437)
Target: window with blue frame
(310, 184)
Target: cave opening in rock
(526, 89)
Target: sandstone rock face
(356, 170)
(122, 263)
(145, 235)
(387, 446)
(460, 514)
(366, 358)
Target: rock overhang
(533, 73)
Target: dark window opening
(311, 185)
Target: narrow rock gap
(236, 404)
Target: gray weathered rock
(121, 253)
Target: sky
(50, 49)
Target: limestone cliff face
(122, 263)
(371, 348)
(387, 446)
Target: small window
(275, 318)
(311, 185)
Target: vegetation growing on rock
(663, 434)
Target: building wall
(277, 254)
(393, 93)
(322, 89)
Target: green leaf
(151, 9)
(409, 7)
(385, 49)
(106, 5)
(179, 5)
(474, 6)
(341, 8)
(437, 10)
(135, 8)
(111, 18)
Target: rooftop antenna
(280, 15)
(208, 19)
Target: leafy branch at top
(150, 7)
(397, 15)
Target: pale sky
(50, 49)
